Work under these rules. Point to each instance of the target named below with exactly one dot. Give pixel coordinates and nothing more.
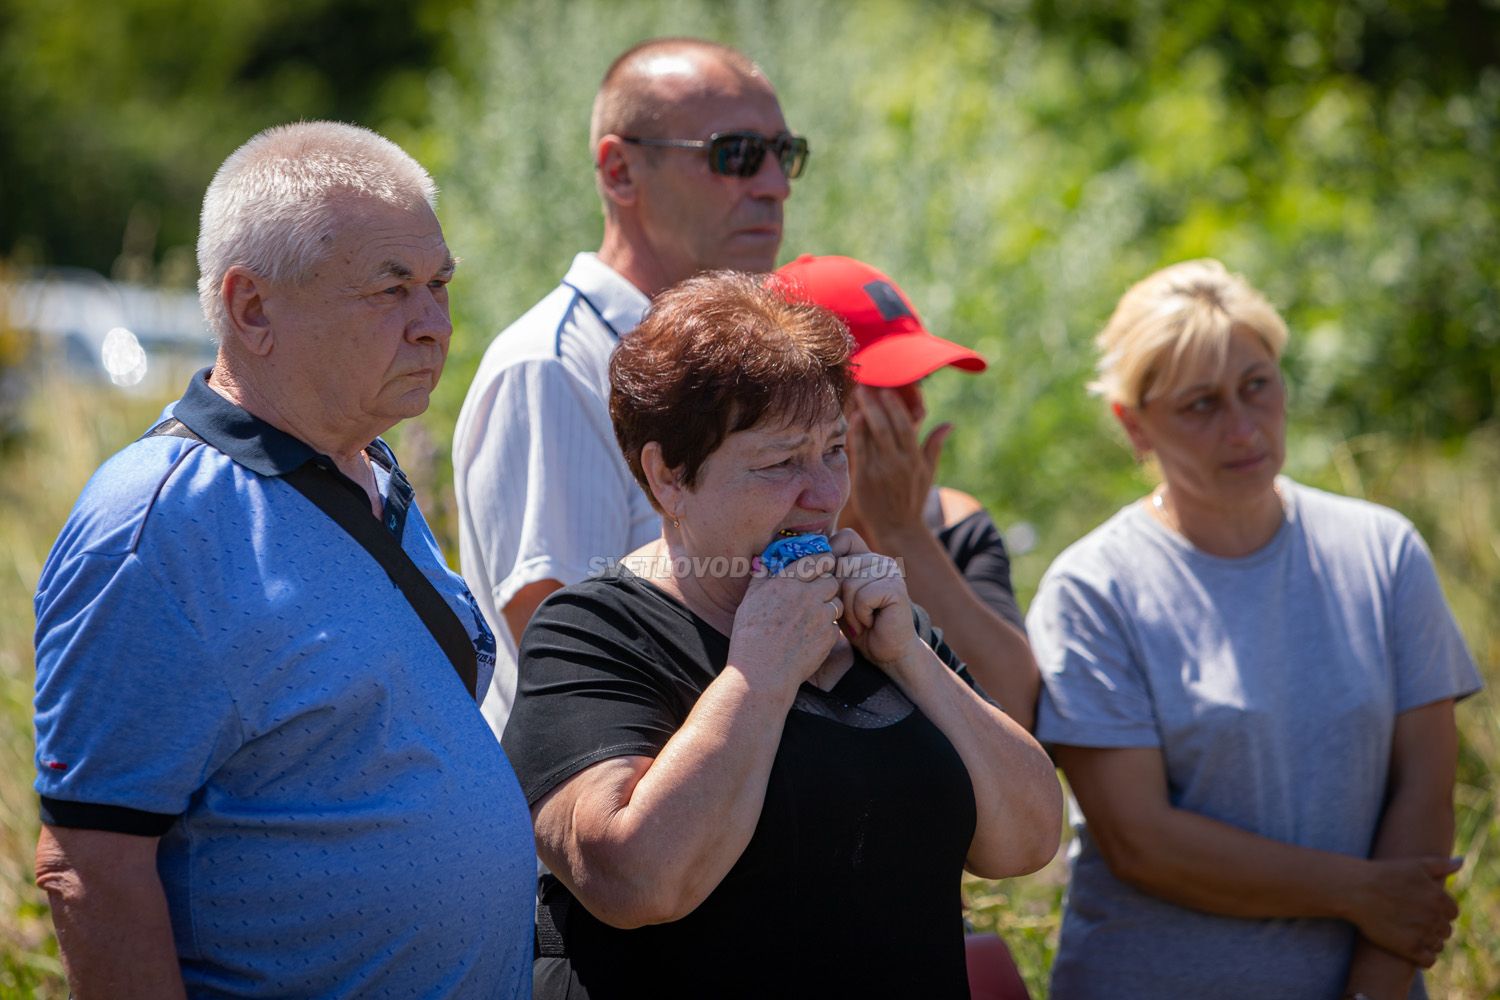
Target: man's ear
(1130, 420)
(616, 178)
(243, 293)
(665, 482)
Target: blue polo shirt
(221, 665)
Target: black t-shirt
(978, 550)
(850, 883)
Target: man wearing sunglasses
(692, 161)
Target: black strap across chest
(349, 512)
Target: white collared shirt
(542, 489)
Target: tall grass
(1449, 491)
(67, 430)
(1452, 493)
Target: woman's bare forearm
(1417, 822)
(1204, 864)
(1016, 793)
(648, 846)
(995, 651)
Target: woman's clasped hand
(796, 617)
(1403, 906)
(787, 623)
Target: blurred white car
(132, 336)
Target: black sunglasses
(740, 154)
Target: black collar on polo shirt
(237, 432)
(270, 451)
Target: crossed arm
(1395, 897)
(1417, 822)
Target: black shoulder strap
(349, 513)
(346, 510)
(553, 901)
(172, 427)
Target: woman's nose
(827, 488)
(1241, 425)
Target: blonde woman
(1250, 686)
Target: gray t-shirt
(1271, 684)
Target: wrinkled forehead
(367, 233)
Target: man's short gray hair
(268, 208)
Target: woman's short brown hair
(715, 355)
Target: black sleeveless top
(849, 885)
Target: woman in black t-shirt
(747, 783)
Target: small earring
(676, 523)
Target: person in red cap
(954, 557)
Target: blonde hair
(1173, 319)
(269, 206)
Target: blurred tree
(1356, 146)
(116, 114)
(1018, 164)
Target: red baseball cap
(894, 347)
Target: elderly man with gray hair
(261, 768)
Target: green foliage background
(1015, 164)
(116, 114)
